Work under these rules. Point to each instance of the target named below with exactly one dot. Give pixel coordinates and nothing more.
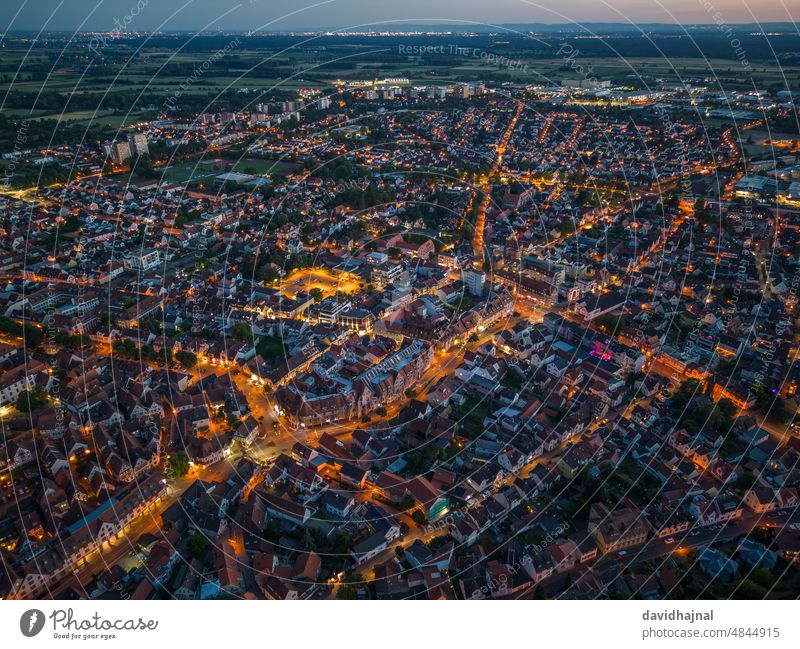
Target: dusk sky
(270, 15)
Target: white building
(474, 280)
(144, 260)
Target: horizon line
(413, 28)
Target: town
(376, 338)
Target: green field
(182, 173)
(161, 70)
(263, 167)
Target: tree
(316, 293)
(242, 332)
(30, 400)
(779, 413)
(512, 380)
(381, 411)
(187, 359)
(609, 323)
(699, 205)
(31, 334)
(566, 228)
(270, 347)
(197, 546)
(350, 586)
(763, 577)
(178, 465)
(419, 517)
(748, 589)
(154, 326)
(407, 503)
(342, 543)
(686, 391)
(269, 274)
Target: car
(669, 541)
(694, 532)
(622, 553)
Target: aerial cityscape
(399, 310)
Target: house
(418, 554)
(726, 506)
(338, 503)
(389, 582)
(622, 527)
(13, 382)
(756, 555)
(369, 547)
(353, 475)
(282, 508)
(187, 580)
(247, 431)
(431, 501)
(390, 486)
(594, 306)
(716, 565)
(761, 499)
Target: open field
(160, 65)
(256, 166)
(181, 173)
(73, 116)
(203, 169)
